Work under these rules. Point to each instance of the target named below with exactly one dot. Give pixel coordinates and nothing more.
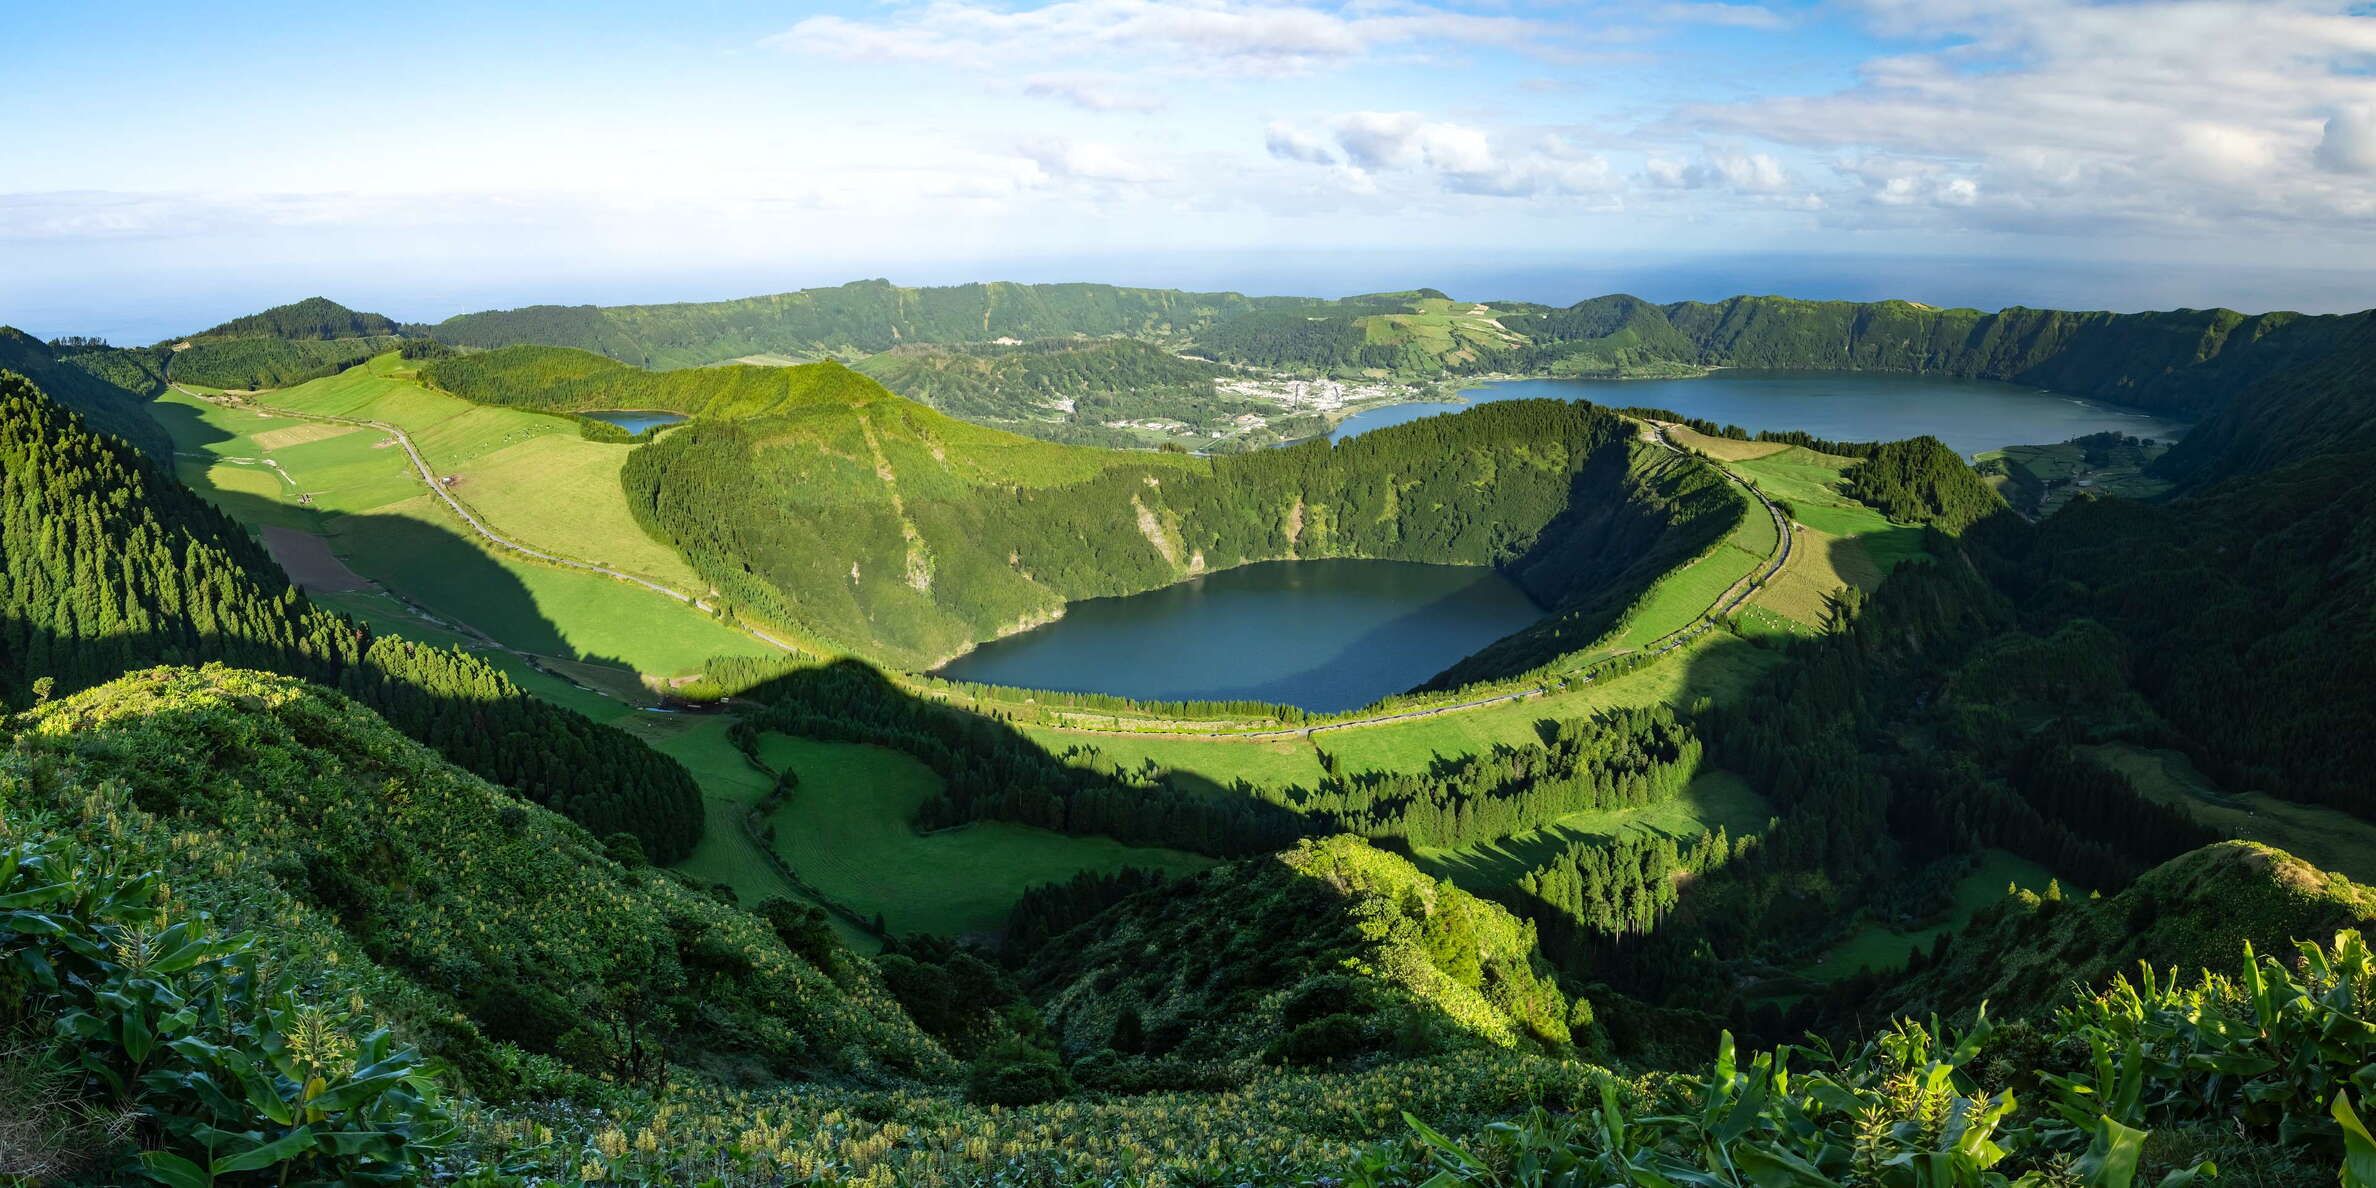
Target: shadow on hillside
(992, 770)
(433, 566)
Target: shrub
(229, 1066)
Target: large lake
(1324, 635)
(1970, 415)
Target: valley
(1654, 634)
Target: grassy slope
(367, 500)
(1877, 946)
(2195, 911)
(1214, 965)
(846, 831)
(1716, 666)
(1842, 542)
(359, 849)
(531, 477)
(2328, 838)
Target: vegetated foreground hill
(491, 932)
(1330, 950)
(2196, 911)
(912, 536)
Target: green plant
(230, 1064)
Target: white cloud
(1090, 161)
(1720, 169)
(1453, 158)
(1290, 143)
(1091, 92)
(1738, 16)
(2039, 115)
(1178, 37)
(2347, 144)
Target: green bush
(229, 1066)
(2262, 1067)
(1014, 1073)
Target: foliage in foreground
(496, 935)
(2150, 1077)
(202, 1051)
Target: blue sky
(172, 162)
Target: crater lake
(1326, 635)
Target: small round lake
(1325, 635)
(635, 420)
(1970, 415)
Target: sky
(165, 166)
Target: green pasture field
(2324, 837)
(730, 788)
(416, 546)
(534, 479)
(531, 476)
(1274, 763)
(1717, 799)
(846, 831)
(1877, 947)
(1809, 483)
(1717, 666)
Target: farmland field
(530, 476)
(1274, 763)
(847, 831)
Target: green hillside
(496, 936)
(1325, 952)
(315, 318)
(256, 362)
(107, 388)
(2196, 911)
(862, 317)
(873, 522)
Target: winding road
(429, 477)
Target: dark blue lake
(1325, 635)
(1970, 415)
(635, 420)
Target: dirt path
(308, 561)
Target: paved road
(1732, 598)
(428, 476)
